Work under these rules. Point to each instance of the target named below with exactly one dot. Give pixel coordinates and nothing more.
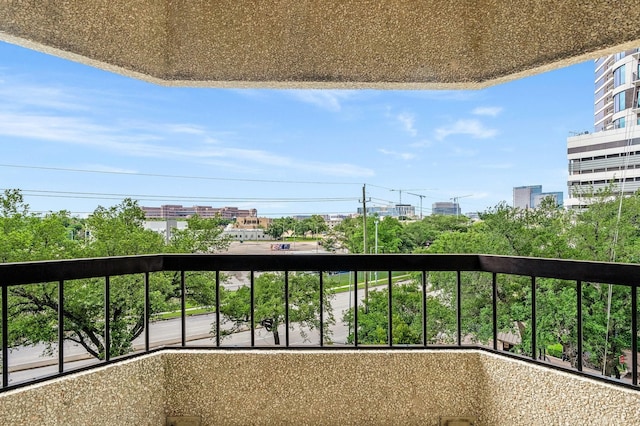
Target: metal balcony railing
(497, 270)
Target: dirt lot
(264, 247)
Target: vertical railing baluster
(147, 312)
(634, 335)
(252, 309)
(217, 309)
(321, 310)
(286, 308)
(533, 318)
(355, 308)
(107, 318)
(183, 309)
(60, 326)
(424, 308)
(390, 310)
(579, 323)
(494, 317)
(5, 338)
(459, 307)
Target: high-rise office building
(611, 154)
(446, 208)
(523, 196)
(530, 197)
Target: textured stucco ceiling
(324, 43)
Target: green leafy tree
(423, 233)
(202, 235)
(269, 299)
(391, 235)
(113, 231)
(314, 224)
(280, 226)
(406, 317)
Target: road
(26, 363)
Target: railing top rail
(72, 269)
(56, 270)
(324, 262)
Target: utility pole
(364, 243)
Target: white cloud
(473, 128)
(400, 155)
(186, 128)
(125, 142)
(487, 111)
(330, 100)
(461, 152)
(421, 144)
(16, 95)
(408, 120)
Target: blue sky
(74, 137)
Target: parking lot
(265, 247)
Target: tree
(424, 232)
(201, 235)
(314, 224)
(269, 299)
(391, 235)
(278, 227)
(373, 323)
(114, 231)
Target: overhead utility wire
(109, 196)
(115, 172)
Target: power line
(147, 197)
(114, 172)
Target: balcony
(333, 375)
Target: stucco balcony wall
(375, 387)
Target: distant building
(447, 208)
(333, 220)
(397, 211)
(165, 227)
(177, 211)
(238, 234)
(557, 198)
(523, 196)
(253, 222)
(530, 197)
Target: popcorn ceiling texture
(321, 388)
(329, 43)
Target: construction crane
(400, 191)
(456, 202)
(421, 197)
(406, 190)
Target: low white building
(165, 227)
